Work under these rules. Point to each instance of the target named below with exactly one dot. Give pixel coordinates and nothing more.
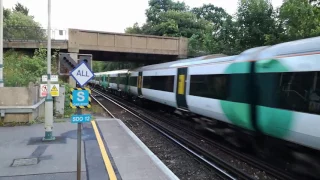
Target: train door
(181, 88)
(139, 84)
(108, 82)
(118, 81)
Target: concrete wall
(56, 44)
(126, 43)
(21, 96)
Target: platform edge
(155, 159)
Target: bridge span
(108, 46)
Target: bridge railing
(32, 33)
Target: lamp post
(49, 100)
(1, 44)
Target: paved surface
(54, 160)
(23, 156)
(133, 159)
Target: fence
(32, 33)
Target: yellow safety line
(111, 173)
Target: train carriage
(269, 90)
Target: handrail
(20, 109)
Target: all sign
(82, 74)
(54, 90)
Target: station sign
(80, 98)
(54, 90)
(80, 118)
(54, 78)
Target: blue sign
(80, 118)
(80, 97)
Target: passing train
(270, 91)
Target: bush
(20, 69)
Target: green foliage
(101, 66)
(20, 8)
(212, 30)
(20, 69)
(300, 19)
(18, 24)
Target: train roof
(112, 72)
(183, 62)
(308, 45)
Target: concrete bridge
(107, 46)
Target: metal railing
(32, 33)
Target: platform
(109, 148)
(130, 157)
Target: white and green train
(273, 90)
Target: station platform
(109, 151)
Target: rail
(19, 109)
(216, 163)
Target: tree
(159, 6)
(19, 25)
(20, 8)
(300, 19)
(224, 30)
(256, 20)
(20, 69)
(135, 29)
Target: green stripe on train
(272, 121)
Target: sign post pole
(80, 98)
(79, 112)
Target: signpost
(80, 98)
(53, 78)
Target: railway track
(223, 169)
(219, 165)
(259, 164)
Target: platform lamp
(1, 44)
(48, 126)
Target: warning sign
(54, 90)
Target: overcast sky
(103, 15)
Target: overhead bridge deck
(107, 46)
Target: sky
(103, 15)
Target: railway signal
(66, 63)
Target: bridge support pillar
(72, 82)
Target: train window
(113, 79)
(122, 80)
(296, 91)
(162, 83)
(133, 81)
(210, 86)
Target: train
(269, 91)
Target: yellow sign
(54, 91)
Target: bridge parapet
(126, 43)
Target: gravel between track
(254, 172)
(183, 165)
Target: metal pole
(79, 148)
(79, 111)
(49, 100)
(1, 43)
